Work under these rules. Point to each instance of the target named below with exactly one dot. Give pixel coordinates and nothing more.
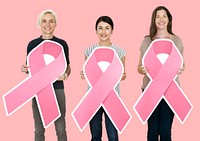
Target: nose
(103, 31)
(47, 23)
(161, 18)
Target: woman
(47, 22)
(160, 122)
(104, 29)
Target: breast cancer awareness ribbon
(102, 92)
(39, 83)
(162, 82)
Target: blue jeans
(59, 123)
(160, 123)
(96, 127)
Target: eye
(157, 16)
(51, 21)
(44, 21)
(99, 27)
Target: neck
(105, 43)
(47, 36)
(162, 34)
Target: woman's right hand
(82, 75)
(24, 68)
(142, 69)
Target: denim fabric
(160, 123)
(96, 127)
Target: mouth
(47, 28)
(103, 36)
(161, 23)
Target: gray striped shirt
(121, 53)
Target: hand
(143, 69)
(82, 75)
(24, 68)
(181, 69)
(63, 77)
(123, 76)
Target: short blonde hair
(39, 19)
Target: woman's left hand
(123, 76)
(62, 77)
(181, 69)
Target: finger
(25, 66)
(144, 70)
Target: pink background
(76, 20)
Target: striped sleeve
(120, 51)
(89, 50)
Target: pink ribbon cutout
(102, 92)
(39, 83)
(162, 82)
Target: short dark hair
(153, 28)
(105, 19)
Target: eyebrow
(49, 19)
(161, 15)
(105, 26)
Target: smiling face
(104, 31)
(48, 24)
(161, 20)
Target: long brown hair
(153, 28)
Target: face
(48, 24)
(104, 31)
(161, 20)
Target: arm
(181, 49)
(67, 72)
(145, 43)
(124, 74)
(24, 67)
(141, 69)
(81, 73)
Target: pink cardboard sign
(162, 82)
(102, 92)
(39, 83)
